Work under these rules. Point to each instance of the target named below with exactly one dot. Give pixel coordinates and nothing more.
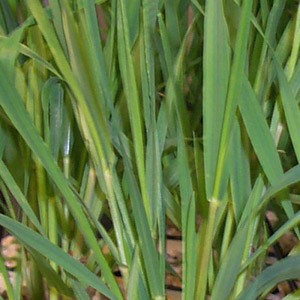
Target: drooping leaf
(33, 240)
(283, 270)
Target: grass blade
(291, 109)
(259, 133)
(283, 270)
(13, 106)
(33, 240)
(235, 85)
(216, 70)
(231, 266)
(150, 255)
(5, 276)
(132, 98)
(240, 178)
(19, 196)
(292, 176)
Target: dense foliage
(145, 111)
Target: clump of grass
(146, 111)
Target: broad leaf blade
(216, 67)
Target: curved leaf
(285, 269)
(33, 240)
